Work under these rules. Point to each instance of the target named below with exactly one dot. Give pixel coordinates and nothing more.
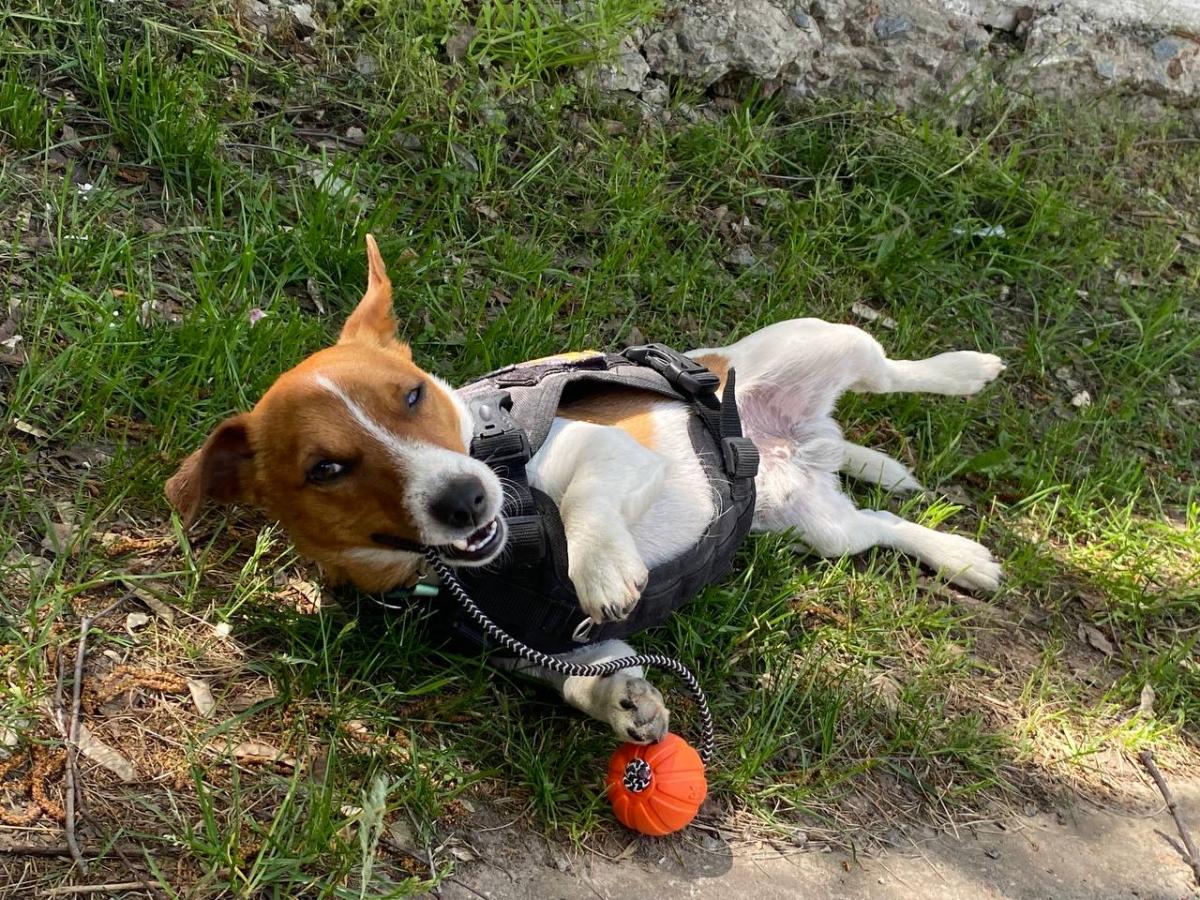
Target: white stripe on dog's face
(424, 469)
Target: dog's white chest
(662, 495)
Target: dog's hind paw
(635, 709)
(969, 564)
(966, 371)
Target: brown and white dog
(357, 443)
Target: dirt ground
(1079, 852)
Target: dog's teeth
(461, 544)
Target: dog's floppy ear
(372, 320)
(219, 471)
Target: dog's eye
(326, 471)
(414, 396)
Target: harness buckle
(740, 456)
(498, 438)
(685, 375)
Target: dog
(358, 441)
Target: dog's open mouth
(477, 546)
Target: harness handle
(451, 583)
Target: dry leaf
(59, 537)
(1089, 634)
(486, 211)
(301, 595)
(163, 610)
(102, 754)
(259, 752)
(136, 621)
(461, 851)
(25, 568)
(201, 696)
(865, 312)
(887, 690)
(1146, 703)
(258, 694)
(31, 430)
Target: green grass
(521, 215)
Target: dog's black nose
(460, 503)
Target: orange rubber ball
(656, 789)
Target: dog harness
(527, 591)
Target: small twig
(1147, 760)
(110, 888)
(71, 778)
(54, 850)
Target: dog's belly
(683, 510)
(675, 521)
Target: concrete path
(1083, 853)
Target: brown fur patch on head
(315, 413)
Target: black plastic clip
(499, 441)
(685, 375)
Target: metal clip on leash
(451, 583)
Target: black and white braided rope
(657, 660)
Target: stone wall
(901, 49)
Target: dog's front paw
(635, 709)
(608, 578)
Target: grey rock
(365, 64)
(656, 94)
(1166, 49)
(302, 14)
(996, 14)
(626, 73)
(742, 257)
(402, 140)
(801, 19)
(1106, 69)
(888, 28)
(750, 37)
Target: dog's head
(360, 455)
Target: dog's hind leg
(878, 468)
(630, 704)
(813, 362)
(827, 522)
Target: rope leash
(656, 660)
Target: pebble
(801, 19)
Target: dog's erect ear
(219, 471)
(373, 321)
